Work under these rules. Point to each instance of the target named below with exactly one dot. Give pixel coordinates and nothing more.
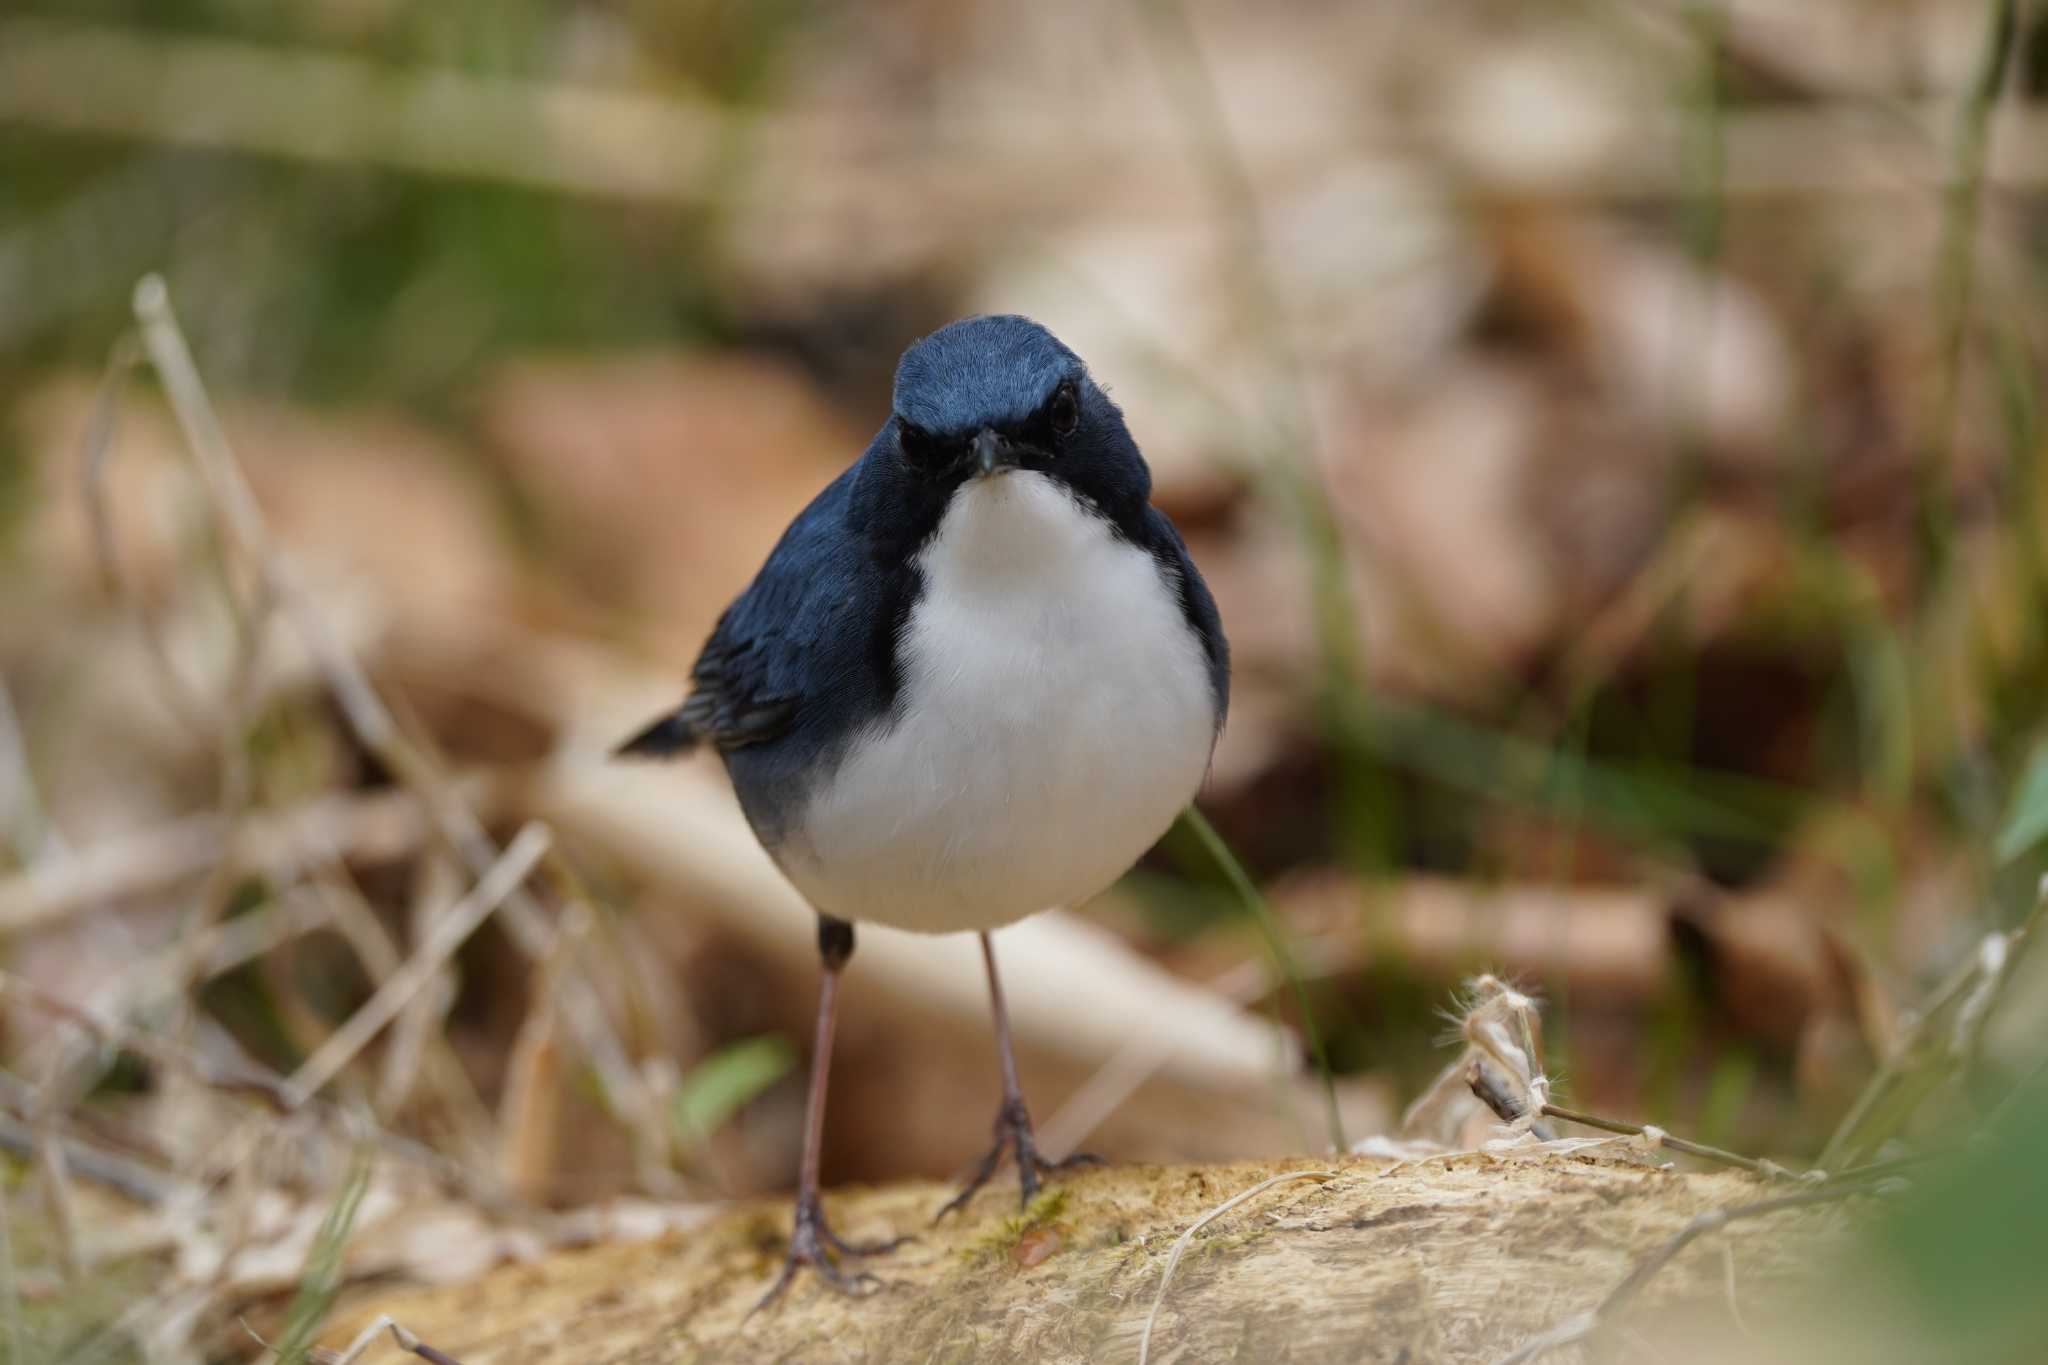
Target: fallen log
(1446, 1260)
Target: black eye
(1065, 411)
(920, 447)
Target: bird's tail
(668, 736)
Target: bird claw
(1014, 1134)
(813, 1243)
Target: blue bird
(978, 677)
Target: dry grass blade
(368, 717)
(1940, 1038)
(246, 1078)
(1181, 1244)
(449, 933)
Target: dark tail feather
(668, 736)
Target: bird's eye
(920, 447)
(1066, 411)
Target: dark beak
(991, 453)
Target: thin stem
(1908, 1056)
(1283, 959)
(1770, 1170)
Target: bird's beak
(992, 453)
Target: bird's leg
(1013, 1131)
(811, 1240)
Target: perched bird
(977, 678)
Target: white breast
(1056, 715)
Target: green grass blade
(1283, 958)
(320, 1281)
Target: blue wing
(1163, 540)
(807, 644)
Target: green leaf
(2027, 824)
(726, 1082)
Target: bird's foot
(813, 1243)
(1014, 1134)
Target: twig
(406, 1340)
(414, 1037)
(128, 1178)
(1769, 1170)
(450, 932)
(1181, 1243)
(1583, 1325)
(53, 1179)
(436, 886)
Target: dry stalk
(528, 1113)
(246, 1078)
(1769, 1170)
(449, 933)
(368, 718)
(406, 1340)
(436, 885)
(1964, 1000)
(1914, 1068)
(179, 695)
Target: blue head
(986, 396)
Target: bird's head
(988, 396)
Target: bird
(978, 677)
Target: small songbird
(977, 678)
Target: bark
(1451, 1260)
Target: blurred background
(1614, 432)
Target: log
(1447, 1260)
